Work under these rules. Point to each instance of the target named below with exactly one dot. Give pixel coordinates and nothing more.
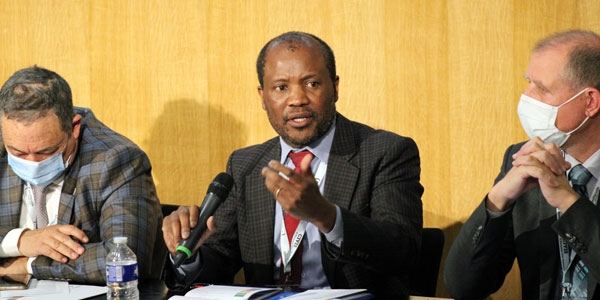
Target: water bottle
(121, 272)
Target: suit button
(477, 234)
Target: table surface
(149, 290)
(157, 290)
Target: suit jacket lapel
(67, 196)
(12, 190)
(342, 172)
(260, 204)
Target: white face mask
(539, 119)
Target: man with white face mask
(68, 184)
(543, 208)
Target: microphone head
(221, 185)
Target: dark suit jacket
(485, 249)
(373, 175)
(107, 191)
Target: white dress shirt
(9, 245)
(312, 275)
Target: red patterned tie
(291, 223)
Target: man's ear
(593, 103)
(260, 94)
(76, 124)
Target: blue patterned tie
(579, 177)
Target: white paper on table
(38, 287)
(221, 292)
(77, 291)
(54, 290)
(323, 294)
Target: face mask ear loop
(572, 98)
(68, 158)
(586, 118)
(584, 121)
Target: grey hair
(31, 93)
(583, 66)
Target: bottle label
(117, 274)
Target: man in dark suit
(538, 212)
(68, 184)
(356, 195)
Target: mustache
(299, 113)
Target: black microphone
(217, 192)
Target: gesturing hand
(53, 241)
(300, 196)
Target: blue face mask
(40, 173)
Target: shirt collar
(319, 148)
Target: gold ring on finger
(277, 192)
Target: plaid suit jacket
(486, 248)
(107, 191)
(373, 175)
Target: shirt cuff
(496, 214)
(336, 235)
(29, 262)
(9, 247)
(189, 266)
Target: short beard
(323, 126)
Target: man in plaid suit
(357, 193)
(68, 184)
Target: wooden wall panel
(178, 78)
(149, 63)
(53, 35)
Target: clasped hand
(536, 163)
(53, 241)
(300, 196)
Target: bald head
(583, 59)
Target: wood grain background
(178, 78)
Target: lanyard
(287, 250)
(567, 255)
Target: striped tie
(579, 176)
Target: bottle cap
(120, 240)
